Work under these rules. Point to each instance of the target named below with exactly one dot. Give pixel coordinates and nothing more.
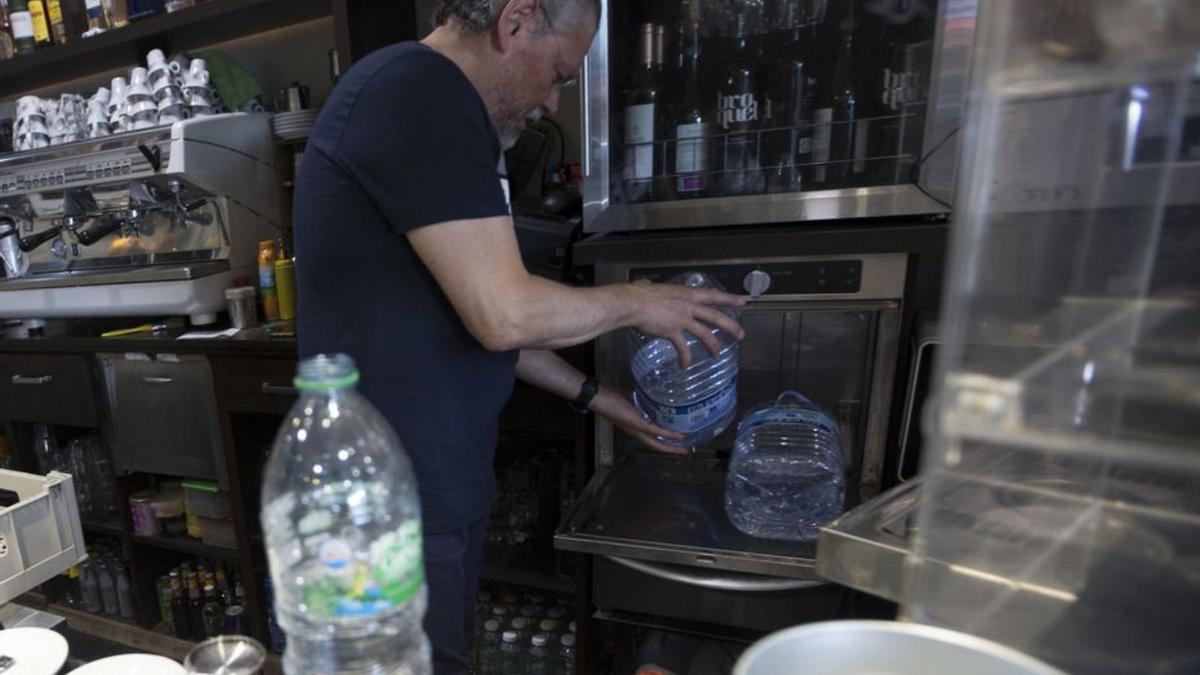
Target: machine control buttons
(756, 283)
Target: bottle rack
(886, 164)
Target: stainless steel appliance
(153, 222)
(825, 325)
(729, 112)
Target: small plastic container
(205, 499)
(217, 532)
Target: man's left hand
(614, 406)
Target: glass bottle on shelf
(21, 19)
(117, 12)
(848, 137)
(97, 18)
(41, 24)
(642, 116)
(54, 17)
(7, 49)
(740, 110)
(693, 125)
(790, 144)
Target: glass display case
(728, 112)
(1058, 510)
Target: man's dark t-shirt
(404, 142)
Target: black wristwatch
(587, 392)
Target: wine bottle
(641, 116)
(54, 16)
(848, 136)
(739, 111)
(693, 126)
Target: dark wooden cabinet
(47, 389)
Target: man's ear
(517, 16)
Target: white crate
(40, 536)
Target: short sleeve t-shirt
(404, 142)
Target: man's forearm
(548, 315)
(546, 370)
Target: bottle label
(347, 584)
(691, 156)
(92, 4)
(639, 141)
(55, 11)
(822, 139)
(266, 276)
(737, 109)
(693, 417)
(22, 25)
(41, 30)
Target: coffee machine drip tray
(672, 510)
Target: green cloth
(235, 83)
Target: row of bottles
(775, 96)
(201, 599)
(29, 25)
(522, 635)
(100, 585)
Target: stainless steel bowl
(882, 648)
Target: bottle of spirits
(642, 116)
(7, 48)
(849, 135)
(41, 24)
(97, 18)
(54, 16)
(693, 125)
(740, 110)
(21, 18)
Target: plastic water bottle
(541, 661)
(512, 656)
(699, 401)
(342, 523)
(786, 476)
(566, 653)
(489, 648)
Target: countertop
(83, 336)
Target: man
(408, 262)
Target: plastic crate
(40, 536)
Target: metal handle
(32, 380)
(587, 117)
(717, 582)
(158, 380)
(279, 389)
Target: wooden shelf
(205, 24)
(181, 543)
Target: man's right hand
(667, 310)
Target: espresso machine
(146, 223)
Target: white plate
(131, 664)
(35, 651)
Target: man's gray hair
(477, 16)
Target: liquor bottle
(642, 116)
(179, 611)
(848, 137)
(693, 125)
(739, 112)
(54, 16)
(7, 48)
(41, 25)
(97, 18)
(195, 609)
(791, 85)
(21, 18)
(213, 612)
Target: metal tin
(141, 509)
(228, 655)
(853, 647)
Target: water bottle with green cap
(342, 523)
